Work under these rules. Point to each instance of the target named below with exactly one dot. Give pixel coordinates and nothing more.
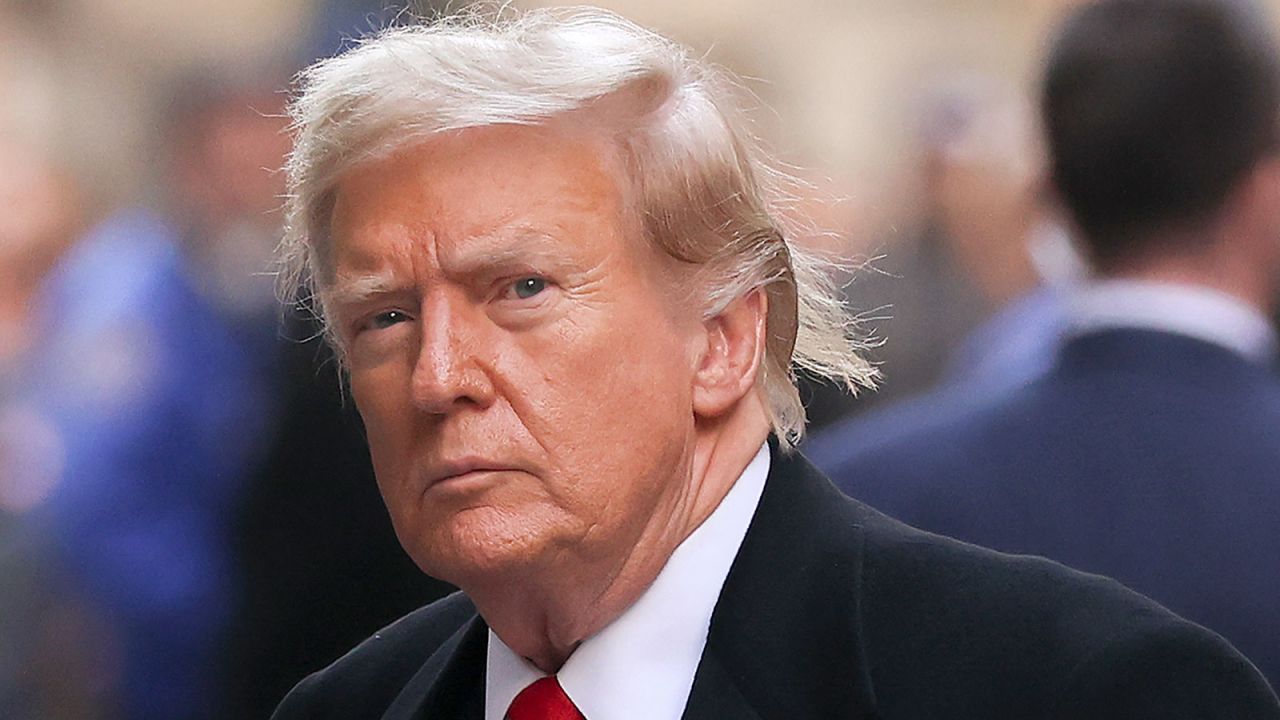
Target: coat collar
(450, 683)
(1152, 352)
(785, 632)
(784, 639)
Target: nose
(448, 374)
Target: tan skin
(548, 420)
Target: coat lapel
(716, 695)
(451, 683)
(785, 640)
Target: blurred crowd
(188, 523)
(188, 520)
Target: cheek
(604, 400)
(609, 367)
(382, 397)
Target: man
(551, 261)
(1150, 452)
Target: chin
(479, 545)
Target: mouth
(463, 471)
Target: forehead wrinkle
(380, 257)
(503, 246)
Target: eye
(384, 320)
(525, 288)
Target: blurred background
(188, 524)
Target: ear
(1256, 202)
(1268, 182)
(732, 357)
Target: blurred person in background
(1149, 452)
(996, 231)
(1004, 237)
(39, 218)
(149, 374)
(908, 285)
(967, 300)
(55, 651)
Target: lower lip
(466, 480)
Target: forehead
(474, 187)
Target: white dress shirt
(641, 666)
(1191, 310)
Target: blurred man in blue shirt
(1150, 451)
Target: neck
(1241, 275)
(548, 611)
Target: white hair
(704, 190)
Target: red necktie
(543, 700)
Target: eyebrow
(358, 289)
(503, 247)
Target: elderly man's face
(523, 372)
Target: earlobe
(733, 354)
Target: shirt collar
(642, 665)
(1195, 311)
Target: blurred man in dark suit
(1151, 452)
(552, 263)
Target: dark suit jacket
(1149, 457)
(832, 610)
